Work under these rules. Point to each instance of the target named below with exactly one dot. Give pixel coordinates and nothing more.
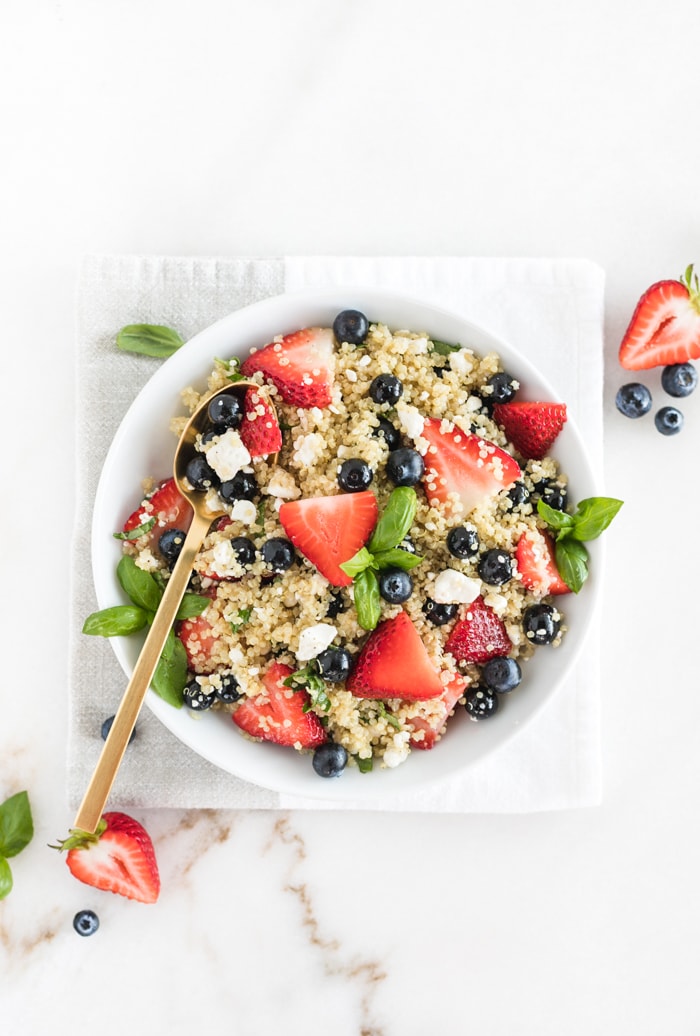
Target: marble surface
(371, 128)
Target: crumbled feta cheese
(497, 602)
(461, 362)
(227, 454)
(282, 485)
(315, 639)
(452, 587)
(244, 511)
(308, 447)
(411, 420)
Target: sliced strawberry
(301, 366)
(200, 641)
(278, 714)
(119, 858)
(393, 663)
(479, 635)
(531, 427)
(329, 530)
(432, 729)
(535, 561)
(169, 508)
(465, 464)
(665, 326)
(260, 431)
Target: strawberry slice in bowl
(300, 365)
(462, 470)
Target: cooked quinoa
(256, 620)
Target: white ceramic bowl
(144, 446)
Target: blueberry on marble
(86, 922)
(668, 420)
(679, 379)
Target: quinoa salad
(388, 552)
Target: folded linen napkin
(551, 310)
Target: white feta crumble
(227, 454)
(452, 587)
(411, 420)
(315, 639)
(497, 602)
(398, 751)
(461, 362)
(308, 447)
(244, 511)
(147, 561)
(282, 485)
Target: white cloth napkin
(552, 310)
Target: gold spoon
(92, 806)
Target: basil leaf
(138, 585)
(445, 348)
(572, 561)
(16, 826)
(389, 716)
(397, 558)
(149, 340)
(364, 765)
(170, 676)
(5, 878)
(135, 534)
(357, 563)
(555, 519)
(310, 680)
(396, 521)
(367, 600)
(119, 621)
(593, 515)
(244, 615)
(191, 605)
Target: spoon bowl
(206, 510)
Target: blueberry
(496, 567)
(501, 674)
(243, 486)
(336, 605)
(463, 541)
(355, 475)
(196, 698)
(633, 400)
(244, 549)
(502, 388)
(679, 379)
(225, 411)
(334, 664)
(405, 466)
(439, 614)
(668, 420)
(395, 585)
(86, 922)
(386, 388)
(200, 473)
(170, 544)
(553, 494)
(229, 690)
(351, 326)
(107, 726)
(481, 702)
(392, 436)
(329, 759)
(518, 495)
(278, 554)
(541, 623)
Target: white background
(269, 128)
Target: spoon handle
(92, 806)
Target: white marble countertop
(386, 128)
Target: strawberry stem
(690, 280)
(78, 839)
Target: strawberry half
(393, 663)
(479, 636)
(465, 464)
(301, 366)
(535, 561)
(200, 641)
(665, 326)
(531, 427)
(278, 715)
(329, 530)
(168, 506)
(432, 729)
(119, 858)
(260, 430)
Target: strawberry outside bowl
(144, 446)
